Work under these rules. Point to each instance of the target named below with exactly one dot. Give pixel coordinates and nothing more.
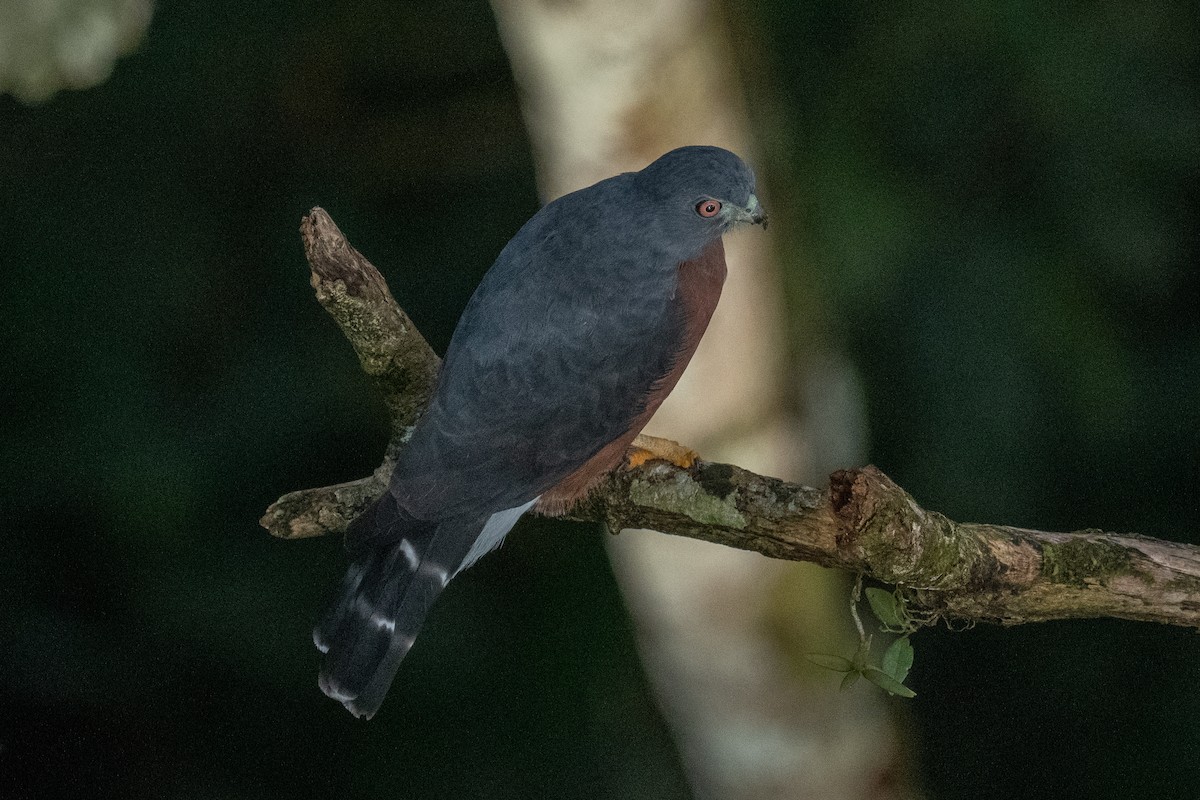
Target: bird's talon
(652, 448)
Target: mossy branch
(863, 522)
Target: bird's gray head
(698, 193)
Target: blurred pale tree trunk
(607, 87)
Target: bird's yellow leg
(651, 448)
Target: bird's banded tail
(399, 566)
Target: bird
(570, 342)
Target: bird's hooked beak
(755, 214)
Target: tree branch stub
(390, 349)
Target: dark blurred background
(1000, 202)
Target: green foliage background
(999, 204)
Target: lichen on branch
(862, 522)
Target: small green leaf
(886, 608)
(898, 659)
(850, 679)
(886, 682)
(835, 663)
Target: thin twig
(855, 596)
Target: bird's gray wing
(553, 358)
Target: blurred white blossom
(48, 45)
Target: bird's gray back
(553, 356)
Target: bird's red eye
(708, 208)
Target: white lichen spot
(682, 495)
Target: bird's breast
(697, 290)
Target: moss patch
(1080, 561)
(717, 480)
(945, 557)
